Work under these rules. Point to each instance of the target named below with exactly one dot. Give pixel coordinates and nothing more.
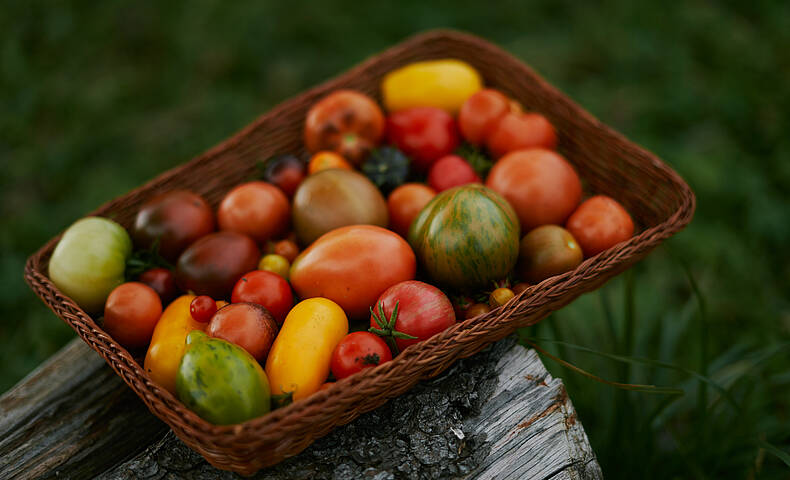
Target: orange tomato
(326, 159)
(480, 113)
(405, 202)
(600, 223)
(352, 266)
(257, 209)
(517, 131)
(131, 313)
(540, 184)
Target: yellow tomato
(299, 359)
(444, 84)
(169, 341)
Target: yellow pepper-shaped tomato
(299, 359)
(444, 84)
(169, 341)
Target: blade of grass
(776, 451)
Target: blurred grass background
(98, 97)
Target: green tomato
(89, 261)
(276, 264)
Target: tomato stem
(386, 328)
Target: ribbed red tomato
(424, 134)
(358, 351)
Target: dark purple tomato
(285, 171)
(162, 281)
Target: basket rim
(548, 290)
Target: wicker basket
(659, 200)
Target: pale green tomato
(89, 261)
(276, 264)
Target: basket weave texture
(660, 202)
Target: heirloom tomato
(451, 171)
(480, 113)
(131, 313)
(257, 209)
(518, 131)
(546, 251)
(600, 223)
(444, 84)
(287, 249)
(358, 351)
(424, 134)
(247, 325)
(284, 171)
(325, 160)
(267, 289)
(212, 265)
(405, 202)
(162, 281)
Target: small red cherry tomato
(451, 171)
(202, 308)
(248, 325)
(517, 131)
(599, 223)
(131, 313)
(425, 134)
(163, 281)
(480, 113)
(359, 350)
(266, 289)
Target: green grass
(98, 97)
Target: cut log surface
(496, 415)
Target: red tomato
(284, 171)
(600, 223)
(257, 209)
(540, 184)
(517, 131)
(451, 171)
(131, 313)
(202, 308)
(480, 113)
(359, 350)
(425, 134)
(162, 281)
(287, 249)
(248, 325)
(266, 289)
(423, 311)
(405, 202)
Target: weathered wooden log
(498, 414)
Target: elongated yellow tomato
(169, 341)
(299, 359)
(444, 84)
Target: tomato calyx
(140, 261)
(386, 328)
(282, 400)
(478, 160)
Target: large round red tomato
(540, 184)
(405, 202)
(358, 351)
(424, 134)
(266, 289)
(600, 223)
(257, 209)
(423, 311)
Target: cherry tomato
(600, 223)
(174, 219)
(476, 310)
(202, 308)
(540, 185)
(286, 248)
(480, 113)
(500, 296)
(284, 171)
(162, 281)
(357, 351)
(266, 289)
(520, 287)
(425, 134)
(345, 121)
(451, 171)
(131, 313)
(212, 265)
(423, 311)
(517, 131)
(257, 209)
(405, 202)
(326, 159)
(276, 264)
(248, 325)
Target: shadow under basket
(660, 202)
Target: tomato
(247, 325)
(451, 171)
(335, 198)
(405, 202)
(476, 310)
(444, 84)
(162, 281)
(212, 265)
(299, 359)
(202, 308)
(600, 223)
(518, 131)
(89, 261)
(257, 209)
(276, 264)
(546, 251)
(387, 168)
(358, 351)
(266, 289)
(131, 313)
(324, 160)
(345, 121)
(286, 172)
(500, 296)
(352, 266)
(425, 134)
(540, 184)
(480, 113)
(287, 249)
(423, 311)
(174, 219)
(520, 287)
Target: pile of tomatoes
(397, 225)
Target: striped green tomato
(466, 237)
